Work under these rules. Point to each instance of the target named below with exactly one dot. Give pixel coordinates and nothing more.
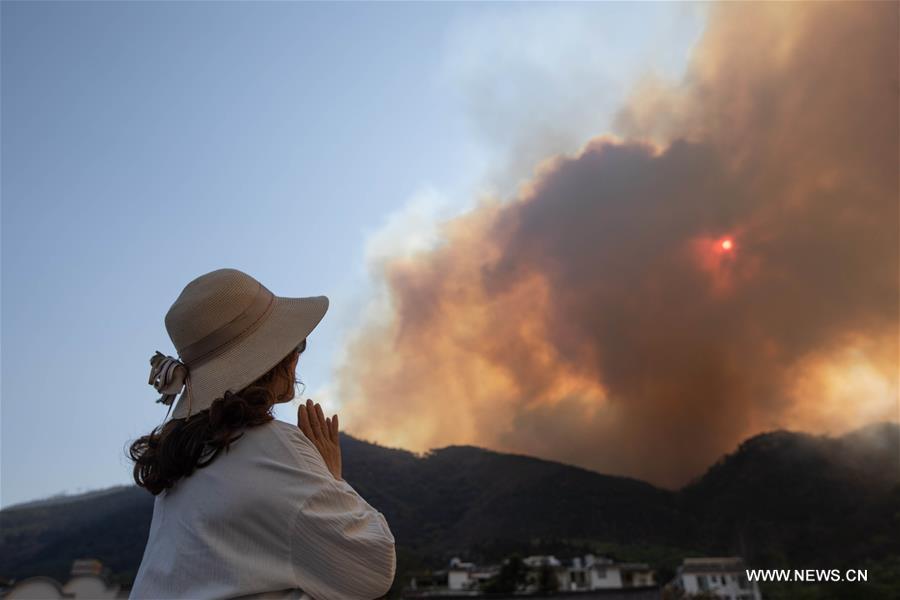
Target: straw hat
(228, 330)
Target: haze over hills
(801, 499)
(780, 499)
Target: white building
(464, 576)
(636, 575)
(723, 577)
(86, 580)
(538, 561)
(597, 573)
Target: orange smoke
(599, 318)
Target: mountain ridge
(63, 497)
(780, 498)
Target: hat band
(230, 333)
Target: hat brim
(290, 322)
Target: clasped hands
(323, 433)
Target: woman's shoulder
(288, 437)
(284, 450)
(289, 431)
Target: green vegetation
(782, 500)
(512, 574)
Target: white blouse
(266, 520)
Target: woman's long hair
(178, 447)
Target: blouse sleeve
(341, 547)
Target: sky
(144, 144)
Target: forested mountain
(780, 499)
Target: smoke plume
(726, 263)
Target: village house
(87, 579)
(596, 573)
(722, 577)
(468, 576)
(579, 574)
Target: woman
(247, 505)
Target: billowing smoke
(725, 264)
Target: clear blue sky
(144, 144)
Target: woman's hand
(323, 433)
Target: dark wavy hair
(178, 447)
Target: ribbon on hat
(168, 375)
